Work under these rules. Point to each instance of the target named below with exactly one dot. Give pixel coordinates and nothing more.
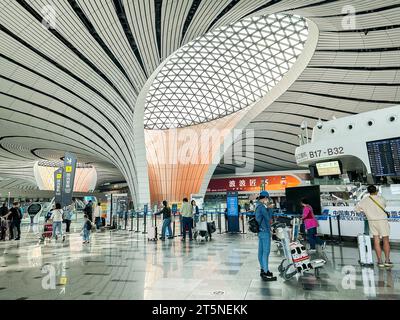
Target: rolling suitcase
(152, 234)
(365, 247)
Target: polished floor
(124, 265)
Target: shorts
(379, 228)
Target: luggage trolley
(204, 229)
(297, 260)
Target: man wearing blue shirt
(263, 215)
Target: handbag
(387, 213)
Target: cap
(264, 194)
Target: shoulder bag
(376, 202)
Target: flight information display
(384, 157)
(331, 168)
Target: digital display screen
(331, 168)
(384, 157)
(294, 196)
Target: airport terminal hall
(204, 152)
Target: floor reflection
(123, 265)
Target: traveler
(263, 215)
(97, 216)
(48, 215)
(252, 209)
(311, 224)
(16, 217)
(374, 208)
(88, 210)
(195, 211)
(68, 217)
(57, 218)
(187, 219)
(3, 223)
(87, 227)
(103, 219)
(166, 212)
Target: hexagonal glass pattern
(224, 71)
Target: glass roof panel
(224, 71)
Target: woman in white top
(97, 215)
(57, 218)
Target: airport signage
(34, 209)
(232, 205)
(253, 184)
(68, 177)
(58, 180)
(352, 222)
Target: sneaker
(269, 274)
(388, 264)
(265, 277)
(262, 272)
(380, 264)
(63, 238)
(162, 239)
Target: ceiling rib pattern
(75, 87)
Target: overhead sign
(68, 178)
(253, 184)
(58, 180)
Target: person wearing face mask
(263, 215)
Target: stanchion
(137, 222)
(126, 220)
(145, 224)
(332, 240)
(339, 231)
(330, 227)
(154, 219)
(180, 226)
(219, 223)
(173, 224)
(131, 220)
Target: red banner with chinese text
(253, 184)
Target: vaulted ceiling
(71, 72)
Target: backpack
(253, 225)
